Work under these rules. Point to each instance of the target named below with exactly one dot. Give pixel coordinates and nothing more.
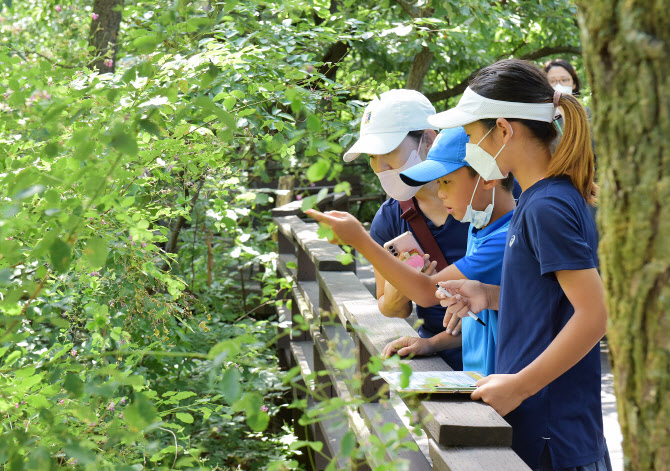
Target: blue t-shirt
(451, 237)
(483, 262)
(551, 230)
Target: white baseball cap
(387, 120)
(473, 107)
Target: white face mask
(479, 219)
(393, 184)
(483, 162)
(564, 89)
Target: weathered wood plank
(322, 253)
(291, 209)
(282, 264)
(459, 421)
(376, 331)
(475, 459)
(302, 355)
(338, 288)
(376, 417)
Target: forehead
(558, 71)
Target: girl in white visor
(551, 306)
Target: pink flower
(94, 16)
(123, 400)
(73, 352)
(264, 408)
(16, 405)
(109, 62)
(61, 401)
(58, 8)
(110, 407)
(298, 197)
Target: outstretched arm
(417, 286)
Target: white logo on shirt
(511, 241)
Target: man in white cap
(396, 135)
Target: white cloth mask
(564, 89)
(479, 219)
(483, 162)
(393, 184)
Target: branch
(413, 11)
(172, 245)
(548, 50)
(534, 55)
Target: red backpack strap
(411, 213)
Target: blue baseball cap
(445, 156)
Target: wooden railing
(341, 320)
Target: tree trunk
(419, 69)
(627, 56)
(104, 34)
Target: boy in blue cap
(468, 199)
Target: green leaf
(73, 384)
(96, 252)
(348, 444)
(313, 123)
(140, 413)
(231, 385)
(146, 44)
(125, 144)
(28, 192)
(185, 417)
(318, 170)
(405, 373)
(61, 255)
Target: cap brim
(452, 118)
(427, 171)
(376, 144)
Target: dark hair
(516, 80)
(569, 69)
(507, 183)
(416, 135)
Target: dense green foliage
(136, 248)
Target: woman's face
(396, 158)
(558, 74)
(492, 144)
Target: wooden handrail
(343, 317)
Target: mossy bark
(626, 47)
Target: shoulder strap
(411, 213)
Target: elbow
(426, 301)
(393, 311)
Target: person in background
(396, 135)
(562, 76)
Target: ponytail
(574, 155)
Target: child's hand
(348, 230)
(502, 392)
(429, 268)
(466, 295)
(407, 345)
(452, 323)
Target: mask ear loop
(480, 141)
(503, 146)
(475, 190)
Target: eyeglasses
(563, 81)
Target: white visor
(473, 107)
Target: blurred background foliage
(137, 261)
